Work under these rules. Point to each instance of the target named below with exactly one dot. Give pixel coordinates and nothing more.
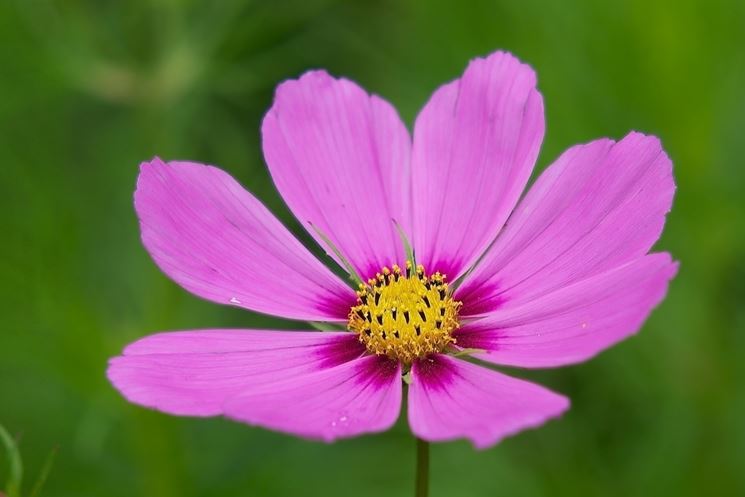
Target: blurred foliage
(88, 89)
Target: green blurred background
(88, 89)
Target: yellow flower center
(405, 315)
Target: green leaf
(465, 352)
(44, 474)
(407, 245)
(322, 326)
(15, 474)
(344, 262)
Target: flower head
(567, 276)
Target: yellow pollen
(405, 315)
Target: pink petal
(195, 372)
(340, 159)
(575, 322)
(597, 207)
(219, 242)
(450, 398)
(360, 396)
(475, 144)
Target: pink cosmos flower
(547, 280)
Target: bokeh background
(88, 89)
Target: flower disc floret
(405, 315)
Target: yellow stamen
(405, 315)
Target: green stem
(422, 468)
